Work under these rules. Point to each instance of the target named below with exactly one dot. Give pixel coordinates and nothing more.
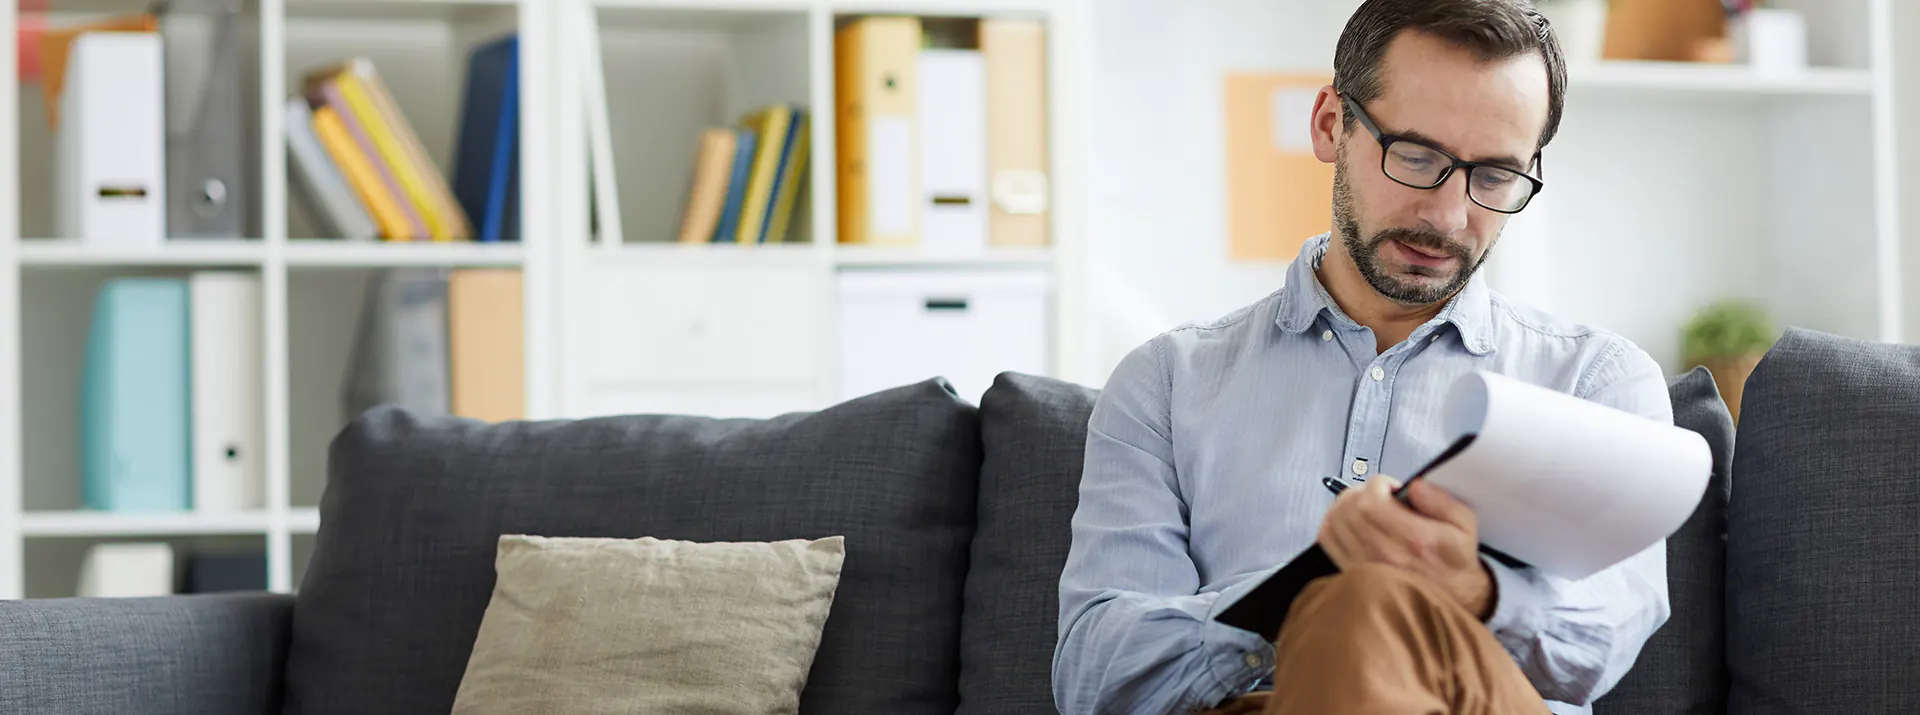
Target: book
(707, 194)
(488, 147)
(1557, 483)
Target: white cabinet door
(901, 327)
(712, 338)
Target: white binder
(228, 414)
(110, 149)
(953, 151)
(127, 570)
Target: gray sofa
(1798, 591)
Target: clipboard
(1264, 609)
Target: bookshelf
(673, 67)
(311, 282)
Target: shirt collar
(1303, 299)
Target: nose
(1445, 209)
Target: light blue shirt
(1204, 460)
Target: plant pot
(1581, 26)
(1730, 374)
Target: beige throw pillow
(587, 626)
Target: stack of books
(361, 166)
(747, 178)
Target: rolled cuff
(1237, 659)
(1519, 601)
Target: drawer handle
(957, 305)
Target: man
(1206, 454)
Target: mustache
(1422, 239)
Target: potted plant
(1729, 338)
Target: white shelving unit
(311, 284)
(740, 51)
(1673, 185)
(754, 330)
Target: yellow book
(771, 124)
(360, 173)
(439, 192)
(380, 129)
(795, 173)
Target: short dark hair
(1496, 29)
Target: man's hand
(1438, 538)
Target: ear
(1328, 125)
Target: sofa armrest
(219, 654)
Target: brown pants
(1376, 639)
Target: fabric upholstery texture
(1823, 612)
(1682, 668)
(1033, 432)
(181, 655)
(616, 626)
(403, 566)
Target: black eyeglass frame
(1387, 141)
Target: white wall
(1658, 203)
(1157, 243)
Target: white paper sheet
(1568, 485)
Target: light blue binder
(136, 405)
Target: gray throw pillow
(1823, 561)
(1034, 434)
(403, 565)
(1682, 669)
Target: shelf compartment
(1717, 78)
(208, 253)
(108, 524)
(883, 256)
(365, 254)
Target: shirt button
(1360, 467)
(1252, 660)
(1435, 337)
(1379, 373)
(1326, 336)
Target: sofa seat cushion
(1823, 531)
(403, 564)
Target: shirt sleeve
(1136, 634)
(1576, 639)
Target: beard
(1405, 289)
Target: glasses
(1419, 165)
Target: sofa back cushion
(1823, 612)
(402, 568)
(1682, 669)
(1034, 433)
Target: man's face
(1419, 247)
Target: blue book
(487, 158)
(136, 406)
(780, 173)
(736, 187)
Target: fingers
(1396, 534)
(1435, 502)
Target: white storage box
(902, 327)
